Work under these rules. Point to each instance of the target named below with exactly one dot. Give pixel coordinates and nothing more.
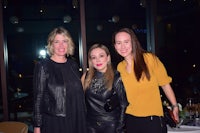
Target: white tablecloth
(184, 129)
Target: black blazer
(57, 90)
(96, 95)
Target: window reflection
(27, 24)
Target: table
(184, 129)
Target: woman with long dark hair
(142, 74)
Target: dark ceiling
(33, 25)
(96, 12)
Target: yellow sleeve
(160, 72)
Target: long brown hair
(139, 63)
(108, 75)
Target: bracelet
(175, 105)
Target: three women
(59, 98)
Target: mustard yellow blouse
(144, 96)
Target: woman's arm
(167, 89)
(39, 83)
(123, 105)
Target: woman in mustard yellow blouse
(142, 73)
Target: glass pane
(105, 17)
(178, 45)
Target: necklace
(97, 85)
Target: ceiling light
(14, 20)
(115, 19)
(67, 19)
(99, 27)
(20, 29)
(75, 3)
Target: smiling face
(60, 45)
(99, 59)
(123, 44)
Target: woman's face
(99, 59)
(123, 44)
(60, 45)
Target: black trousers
(150, 124)
(101, 127)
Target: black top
(96, 95)
(58, 91)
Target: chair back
(13, 127)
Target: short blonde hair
(51, 37)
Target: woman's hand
(36, 130)
(176, 114)
(171, 97)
